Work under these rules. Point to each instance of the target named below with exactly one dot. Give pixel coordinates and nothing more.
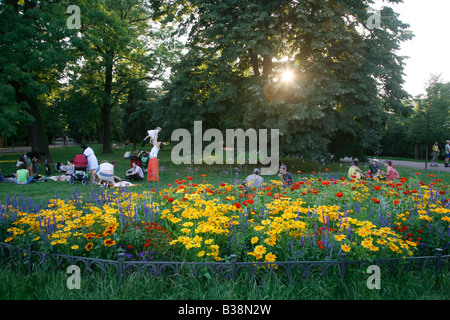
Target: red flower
(339, 194)
(170, 199)
(376, 188)
(189, 178)
(237, 205)
(396, 202)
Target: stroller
(80, 170)
(141, 161)
(137, 160)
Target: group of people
(28, 169)
(104, 173)
(256, 181)
(354, 172)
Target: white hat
(376, 160)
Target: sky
(429, 50)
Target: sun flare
(287, 76)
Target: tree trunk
(99, 129)
(106, 117)
(106, 110)
(38, 139)
(37, 135)
(254, 63)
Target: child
(153, 134)
(69, 171)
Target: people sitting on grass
(254, 181)
(374, 169)
(391, 173)
(285, 176)
(68, 170)
(354, 172)
(23, 175)
(135, 173)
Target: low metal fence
(231, 269)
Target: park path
(411, 164)
(18, 150)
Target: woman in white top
(153, 163)
(92, 161)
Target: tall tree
(117, 45)
(431, 119)
(33, 50)
(346, 74)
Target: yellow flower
(339, 237)
(345, 247)
(270, 257)
(74, 247)
(254, 240)
(259, 250)
(201, 253)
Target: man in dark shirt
(286, 177)
(374, 168)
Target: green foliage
(427, 121)
(32, 60)
(346, 75)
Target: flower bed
(315, 219)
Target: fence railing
(230, 269)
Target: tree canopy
(327, 74)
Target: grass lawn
(215, 173)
